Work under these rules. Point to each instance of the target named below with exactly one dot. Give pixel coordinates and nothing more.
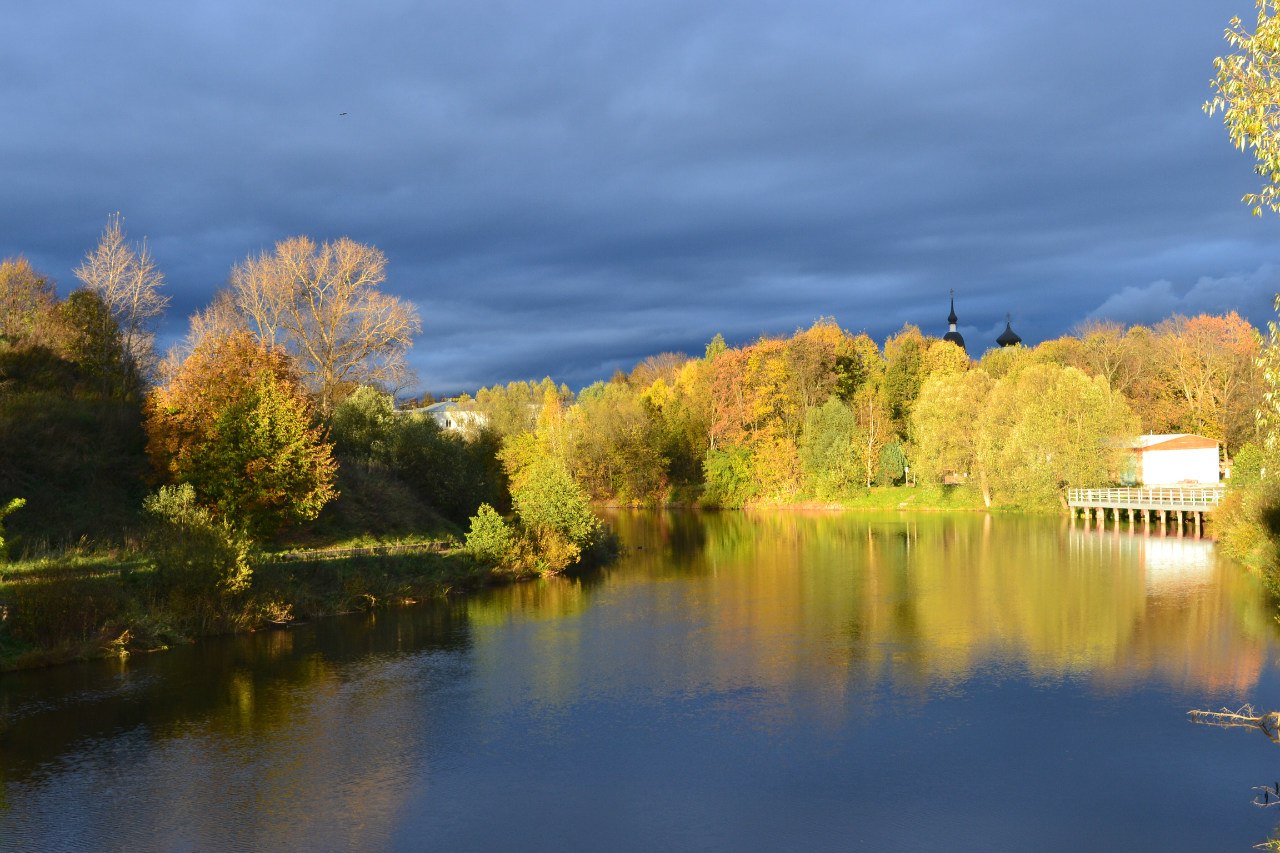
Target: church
(1008, 337)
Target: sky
(565, 187)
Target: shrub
(490, 539)
(201, 562)
(12, 506)
(728, 477)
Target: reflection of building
(1168, 460)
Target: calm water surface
(779, 682)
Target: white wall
(1169, 467)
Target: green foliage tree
(513, 408)
(71, 440)
(729, 477)
(943, 425)
(904, 373)
(93, 341)
(831, 451)
(715, 347)
(363, 427)
(1049, 427)
(891, 467)
(490, 539)
(556, 523)
(265, 465)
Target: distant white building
(449, 415)
(1177, 459)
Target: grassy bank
(78, 607)
(888, 498)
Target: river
(736, 682)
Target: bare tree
(126, 278)
(323, 305)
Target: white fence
(1194, 498)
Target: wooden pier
(1181, 504)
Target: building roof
(1008, 337)
(1173, 441)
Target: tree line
(277, 411)
(826, 414)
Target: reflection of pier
(1181, 504)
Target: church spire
(952, 335)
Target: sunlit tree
(125, 277)
(324, 305)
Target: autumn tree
(681, 413)
(1047, 427)
(943, 424)
(861, 364)
(1247, 93)
(513, 408)
(1211, 366)
(811, 357)
(125, 276)
(26, 301)
(614, 445)
(235, 423)
(904, 372)
(943, 357)
(875, 429)
(324, 306)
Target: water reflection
(661, 680)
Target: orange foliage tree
(234, 422)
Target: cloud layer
(565, 187)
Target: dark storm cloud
(566, 187)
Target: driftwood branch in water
(1244, 717)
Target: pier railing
(1193, 498)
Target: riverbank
(80, 607)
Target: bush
(200, 562)
(891, 467)
(490, 539)
(12, 506)
(58, 612)
(728, 477)
(547, 499)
